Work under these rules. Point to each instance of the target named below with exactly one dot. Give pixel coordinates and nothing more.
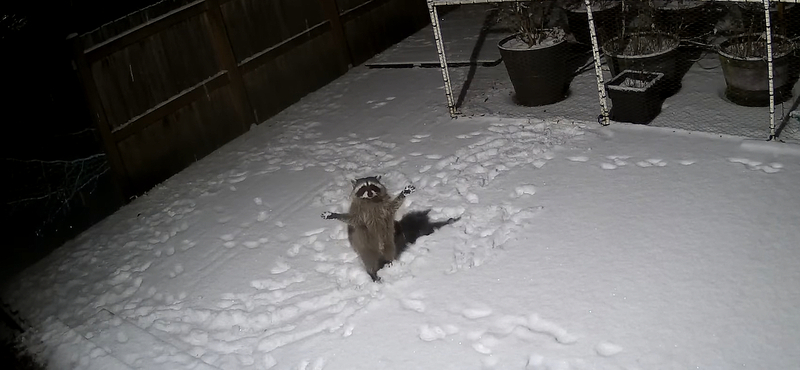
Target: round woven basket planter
(540, 75)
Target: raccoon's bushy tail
(413, 225)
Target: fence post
(120, 174)
(337, 28)
(224, 52)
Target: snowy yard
(579, 247)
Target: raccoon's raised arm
(344, 217)
(398, 200)
(406, 191)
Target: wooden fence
(171, 83)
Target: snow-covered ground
(579, 247)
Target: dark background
(47, 129)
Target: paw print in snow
(409, 189)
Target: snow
(578, 247)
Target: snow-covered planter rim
(675, 5)
(596, 6)
(773, 6)
(556, 36)
(615, 85)
(675, 42)
(724, 48)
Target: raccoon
(370, 222)
(371, 228)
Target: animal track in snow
(651, 162)
(318, 364)
(756, 166)
(523, 190)
(481, 348)
(269, 361)
(270, 284)
(607, 349)
(176, 270)
(686, 162)
(539, 325)
(430, 333)
(506, 324)
(469, 135)
(294, 250)
(608, 166)
(476, 313)
(539, 362)
(578, 159)
(413, 305)
(539, 163)
(279, 268)
(473, 251)
(251, 244)
(376, 105)
(418, 138)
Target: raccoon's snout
(368, 191)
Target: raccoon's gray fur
(370, 222)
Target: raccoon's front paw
(327, 215)
(409, 189)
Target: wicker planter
(687, 19)
(635, 96)
(540, 75)
(607, 21)
(646, 51)
(787, 24)
(747, 76)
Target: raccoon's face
(368, 188)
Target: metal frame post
(598, 70)
(770, 71)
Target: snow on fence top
(133, 21)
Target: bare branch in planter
(532, 21)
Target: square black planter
(636, 96)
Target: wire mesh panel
(717, 56)
(543, 69)
(699, 65)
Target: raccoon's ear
(353, 181)
(378, 177)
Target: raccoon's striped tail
(413, 225)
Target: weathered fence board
(160, 150)
(373, 25)
(285, 78)
(174, 81)
(255, 25)
(145, 73)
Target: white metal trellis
(770, 72)
(598, 70)
(604, 120)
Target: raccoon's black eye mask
(368, 191)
